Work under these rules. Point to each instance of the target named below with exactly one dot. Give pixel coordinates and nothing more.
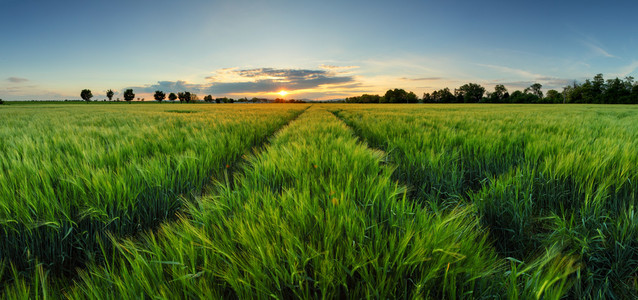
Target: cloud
(598, 50)
(519, 72)
(422, 79)
(629, 69)
(337, 68)
(260, 81)
(32, 92)
(265, 80)
(531, 78)
(17, 80)
(554, 83)
(170, 87)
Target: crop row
(539, 178)
(69, 175)
(316, 215)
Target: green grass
(349, 201)
(315, 215)
(539, 177)
(72, 173)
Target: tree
(471, 92)
(86, 95)
(598, 88)
(172, 97)
(181, 97)
(535, 89)
(208, 98)
(129, 95)
(412, 98)
(427, 98)
(616, 91)
(159, 96)
(109, 94)
(365, 98)
(553, 96)
(187, 97)
(399, 96)
(1, 101)
(499, 94)
(443, 96)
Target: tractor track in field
(210, 187)
(237, 165)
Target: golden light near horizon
(283, 93)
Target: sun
(283, 93)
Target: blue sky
(313, 49)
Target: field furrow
(71, 175)
(344, 201)
(317, 215)
(539, 178)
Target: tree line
(187, 97)
(159, 96)
(597, 90)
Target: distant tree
(366, 98)
(616, 92)
(399, 96)
(1, 101)
(572, 93)
(86, 95)
(129, 95)
(597, 88)
(471, 92)
(498, 96)
(517, 97)
(181, 97)
(172, 97)
(523, 97)
(109, 94)
(412, 98)
(427, 98)
(208, 98)
(187, 97)
(535, 90)
(159, 96)
(443, 96)
(553, 96)
(219, 100)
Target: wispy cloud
(528, 78)
(17, 79)
(422, 79)
(598, 50)
(509, 70)
(337, 68)
(629, 69)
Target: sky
(317, 50)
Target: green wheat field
(318, 201)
